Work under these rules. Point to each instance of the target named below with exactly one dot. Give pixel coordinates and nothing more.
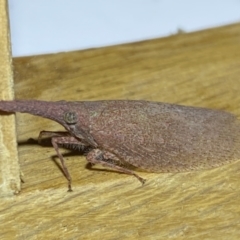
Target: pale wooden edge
(10, 182)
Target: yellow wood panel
(9, 166)
(199, 69)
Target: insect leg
(67, 140)
(49, 134)
(96, 156)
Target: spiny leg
(56, 141)
(75, 145)
(50, 134)
(96, 156)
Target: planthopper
(153, 136)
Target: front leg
(96, 156)
(50, 134)
(65, 141)
(75, 145)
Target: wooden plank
(9, 165)
(200, 69)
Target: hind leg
(96, 156)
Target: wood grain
(199, 69)
(9, 165)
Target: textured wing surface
(165, 137)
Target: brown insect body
(153, 136)
(165, 137)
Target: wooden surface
(199, 69)
(9, 165)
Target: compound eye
(70, 117)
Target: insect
(153, 136)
